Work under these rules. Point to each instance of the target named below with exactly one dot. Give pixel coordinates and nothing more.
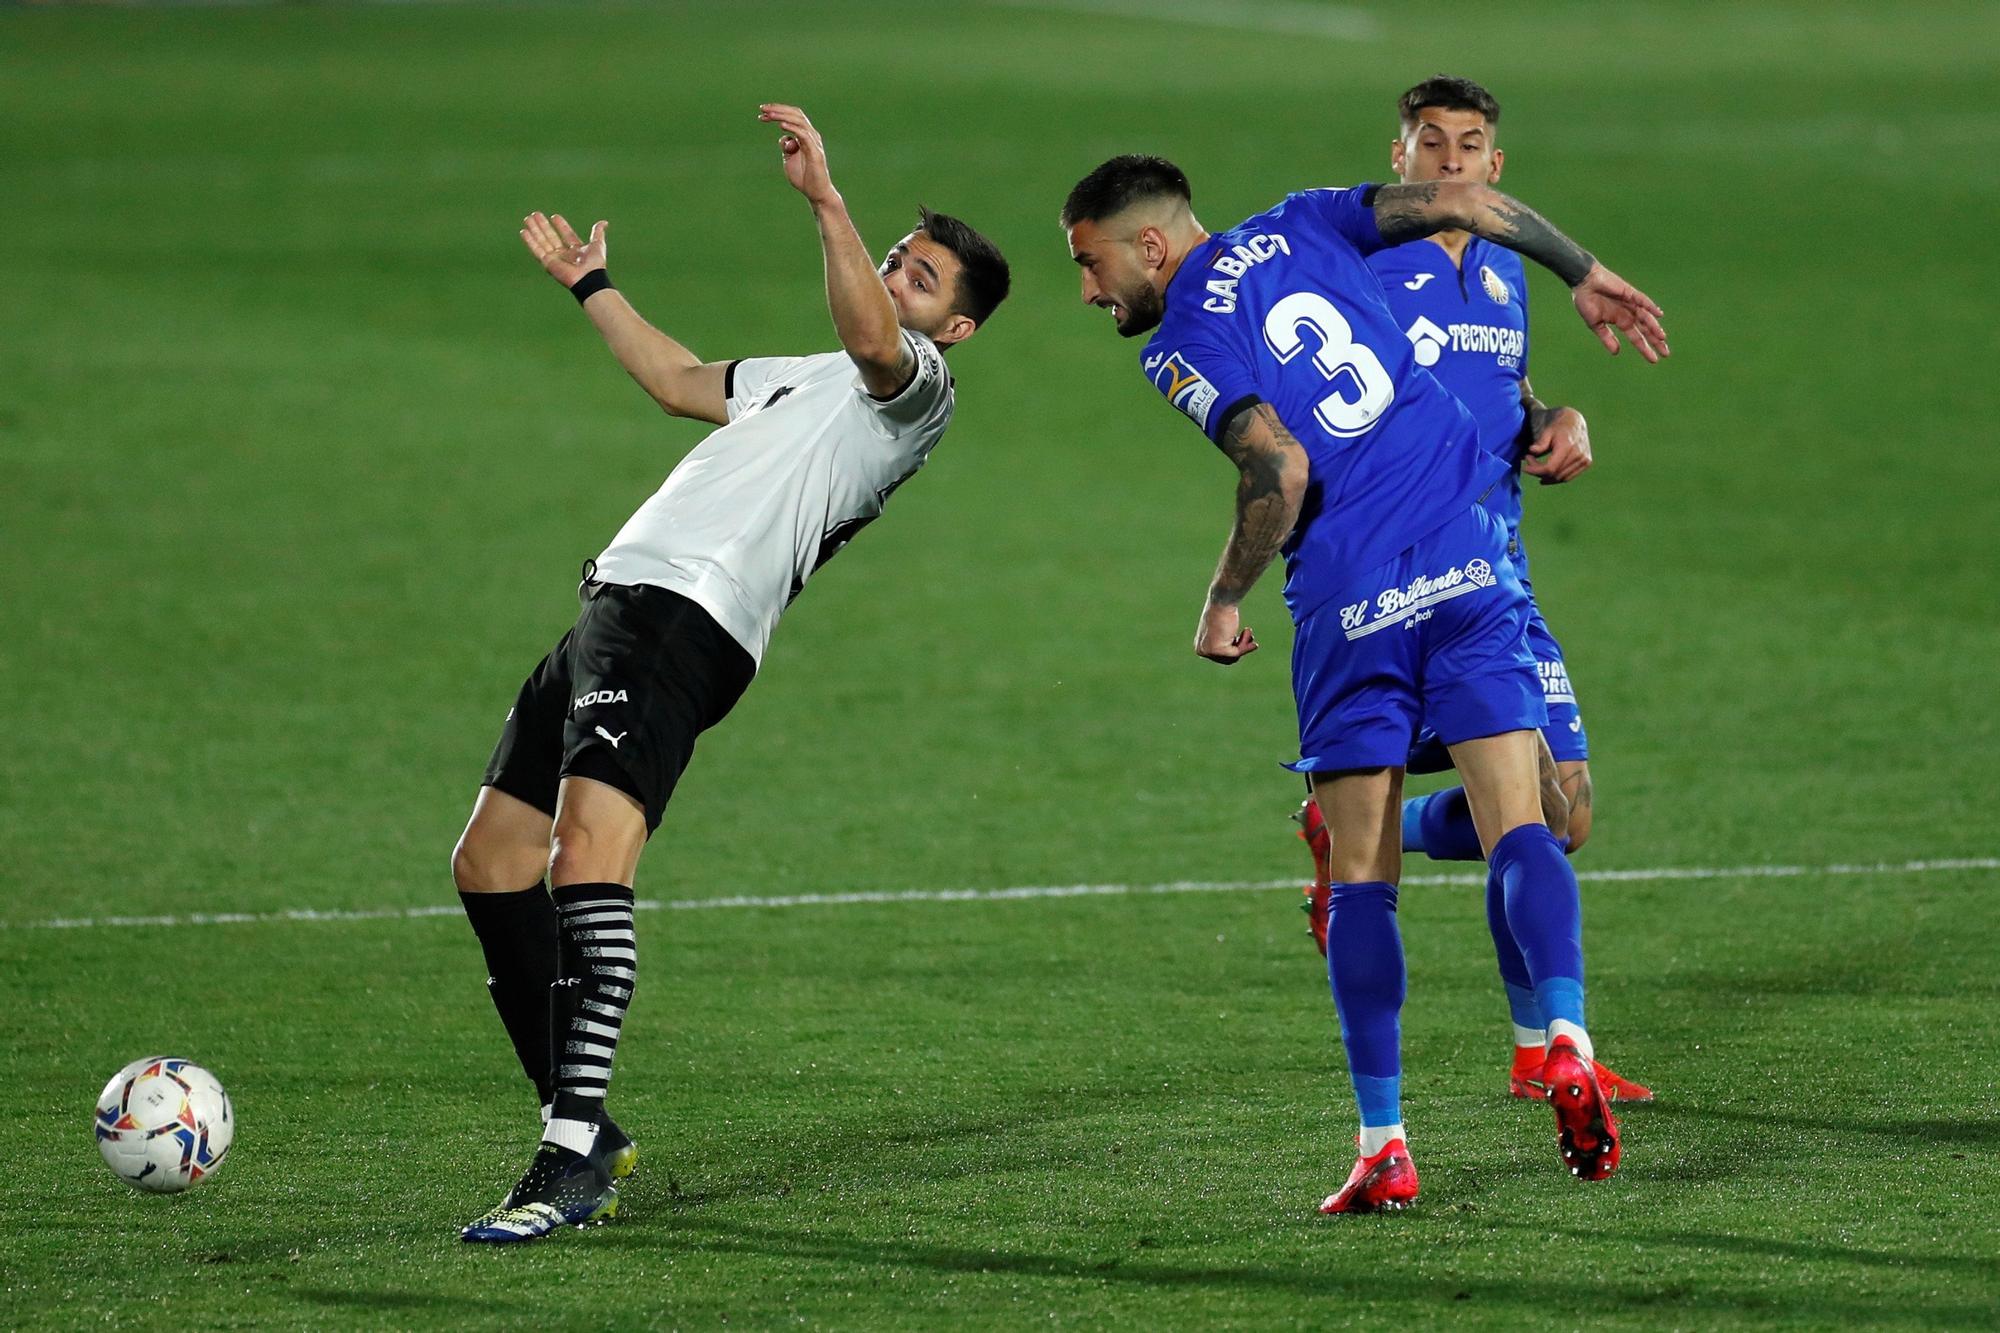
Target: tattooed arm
(1539, 413)
(1405, 212)
(1605, 300)
(1557, 440)
(1271, 485)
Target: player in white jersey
(677, 612)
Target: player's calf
(506, 846)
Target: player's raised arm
(1272, 486)
(674, 377)
(864, 316)
(1605, 300)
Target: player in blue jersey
(1461, 300)
(1274, 338)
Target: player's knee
(479, 866)
(1365, 865)
(584, 853)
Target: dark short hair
(1121, 183)
(983, 277)
(1447, 93)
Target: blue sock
(1544, 913)
(1440, 826)
(1364, 965)
(1514, 976)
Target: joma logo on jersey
(603, 697)
(1406, 605)
(1186, 388)
(1233, 263)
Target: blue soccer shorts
(1568, 741)
(1567, 738)
(1437, 636)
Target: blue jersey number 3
(1362, 386)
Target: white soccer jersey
(808, 459)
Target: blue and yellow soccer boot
(561, 1189)
(613, 1151)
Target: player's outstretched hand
(561, 251)
(804, 150)
(1562, 451)
(1221, 636)
(1606, 302)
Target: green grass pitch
(299, 454)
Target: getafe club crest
(1495, 288)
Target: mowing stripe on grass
(1004, 895)
(1288, 18)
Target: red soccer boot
(1313, 830)
(1382, 1183)
(1525, 1079)
(1586, 1131)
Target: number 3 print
(1362, 387)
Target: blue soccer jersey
(1468, 326)
(1284, 308)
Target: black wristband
(591, 283)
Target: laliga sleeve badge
(1186, 388)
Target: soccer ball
(164, 1124)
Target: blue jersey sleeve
(1200, 377)
(1349, 213)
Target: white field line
(1004, 895)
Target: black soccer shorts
(622, 698)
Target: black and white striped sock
(596, 968)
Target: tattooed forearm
(1510, 222)
(1405, 212)
(1539, 414)
(1268, 493)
